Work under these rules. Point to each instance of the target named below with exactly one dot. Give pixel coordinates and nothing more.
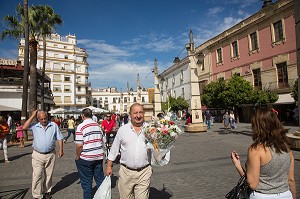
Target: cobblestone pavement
(200, 168)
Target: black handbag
(241, 190)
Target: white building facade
(67, 67)
(117, 101)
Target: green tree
(295, 91)
(47, 21)
(17, 26)
(178, 104)
(234, 92)
(37, 20)
(211, 96)
(237, 91)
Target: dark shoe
(47, 196)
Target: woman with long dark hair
(270, 162)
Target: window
(173, 80)
(282, 75)
(67, 88)
(68, 99)
(257, 79)
(79, 99)
(65, 47)
(181, 75)
(166, 83)
(253, 41)
(78, 68)
(56, 78)
(278, 31)
(182, 92)
(79, 88)
(56, 66)
(66, 56)
(67, 78)
(202, 84)
(56, 88)
(57, 99)
(67, 67)
(219, 56)
(134, 99)
(143, 99)
(47, 65)
(235, 50)
(114, 100)
(125, 99)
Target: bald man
(135, 170)
(45, 135)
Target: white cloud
(215, 10)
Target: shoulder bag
(241, 190)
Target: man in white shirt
(135, 170)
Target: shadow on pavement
(16, 157)
(16, 193)
(224, 131)
(65, 182)
(162, 194)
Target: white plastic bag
(104, 191)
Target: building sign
(8, 62)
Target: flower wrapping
(160, 137)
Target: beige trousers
(134, 184)
(42, 165)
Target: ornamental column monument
(195, 104)
(157, 97)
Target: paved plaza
(200, 168)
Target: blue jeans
(87, 170)
(69, 134)
(208, 124)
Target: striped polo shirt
(90, 135)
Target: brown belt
(137, 169)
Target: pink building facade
(261, 49)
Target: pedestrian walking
(70, 129)
(4, 131)
(135, 170)
(89, 153)
(232, 120)
(208, 117)
(45, 135)
(226, 120)
(270, 162)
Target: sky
(123, 38)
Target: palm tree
(48, 19)
(16, 27)
(37, 26)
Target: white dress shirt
(132, 147)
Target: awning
(285, 99)
(8, 108)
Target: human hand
(235, 158)
(60, 153)
(108, 171)
(34, 112)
